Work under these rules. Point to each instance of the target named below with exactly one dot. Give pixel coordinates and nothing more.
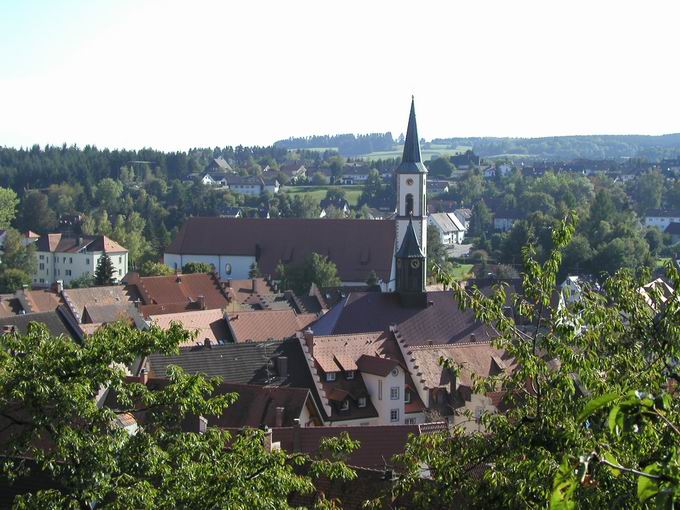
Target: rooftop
(263, 325)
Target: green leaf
(595, 404)
(561, 496)
(608, 456)
(615, 420)
(648, 487)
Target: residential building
(250, 185)
(437, 187)
(266, 325)
(97, 304)
(449, 227)
(355, 173)
(673, 230)
(64, 258)
(464, 215)
(661, 218)
(210, 326)
(293, 170)
(219, 164)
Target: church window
(409, 204)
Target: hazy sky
(174, 75)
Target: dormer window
(407, 396)
(349, 375)
(345, 405)
(330, 376)
(362, 402)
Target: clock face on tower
(409, 181)
(415, 264)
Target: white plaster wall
(240, 264)
(385, 404)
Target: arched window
(227, 269)
(409, 204)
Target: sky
(175, 75)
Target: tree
(197, 267)
(82, 282)
(436, 253)
(16, 254)
(108, 193)
(12, 280)
(481, 219)
(103, 274)
(589, 424)
(8, 206)
(48, 392)
(648, 190)
(315, 269)
(319, 179)
(441, 167)
(151, 268)
(36, 214)
(254, 271)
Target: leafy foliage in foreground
(48, 413)
(591, 423)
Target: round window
(227, 269)
(409, 181)
(395, 372)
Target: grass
(434, 150)
(462, 272)
(318, 193)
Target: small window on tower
(409, 204)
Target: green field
(352, 193)
(462, 272)
(434, 150)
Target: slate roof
(448, 222)
(98, 314)
(263, 325)
(410, 247)
(673, 229)
(411, 162)
(440, 322)
(78, 299)
(57, 322)
(290, 240)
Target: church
(395, 249)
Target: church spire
(411, 162)
(410, 247)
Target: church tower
(410, 260)
(411, 188)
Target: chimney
(473, 338)
(268, 439)
(60, 286)
(202, 425)
(253, 282)
(207, 343)
(309, 340)
(24, 287)
(138, 304)
(228, 282)
(282, 366)
(201, 302)
(279, 416)
(143, 376)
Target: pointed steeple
(410, 247)
(411, 162)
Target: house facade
(64, 258)
(661, 218)
(449, 227)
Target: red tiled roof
(178, 289)
(209, 324)
(375, 365)
(290, 240)
(263, 325)
(67, 244)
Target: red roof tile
(263, 325)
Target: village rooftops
(263, 325)
(440, 322)
(92, 297)
(291, 240)
(180, 290)
(208, 324)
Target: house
(661, 218)
(673, 230)
(218, 165)
(266, 325)
(210, 326)
(58, 322)
(464, 215)
(449, 227)
(466, 160)
(361, 379)
(293, 170)
(250, 185)
(355, 173)
(437, 187)
(65, 258)
(233, 245)
(504, 219)
(231, 212)
(339, 204)
(97, 304)
(177, 293)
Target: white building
(66, 258)
(449, 227)
(661, 218)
